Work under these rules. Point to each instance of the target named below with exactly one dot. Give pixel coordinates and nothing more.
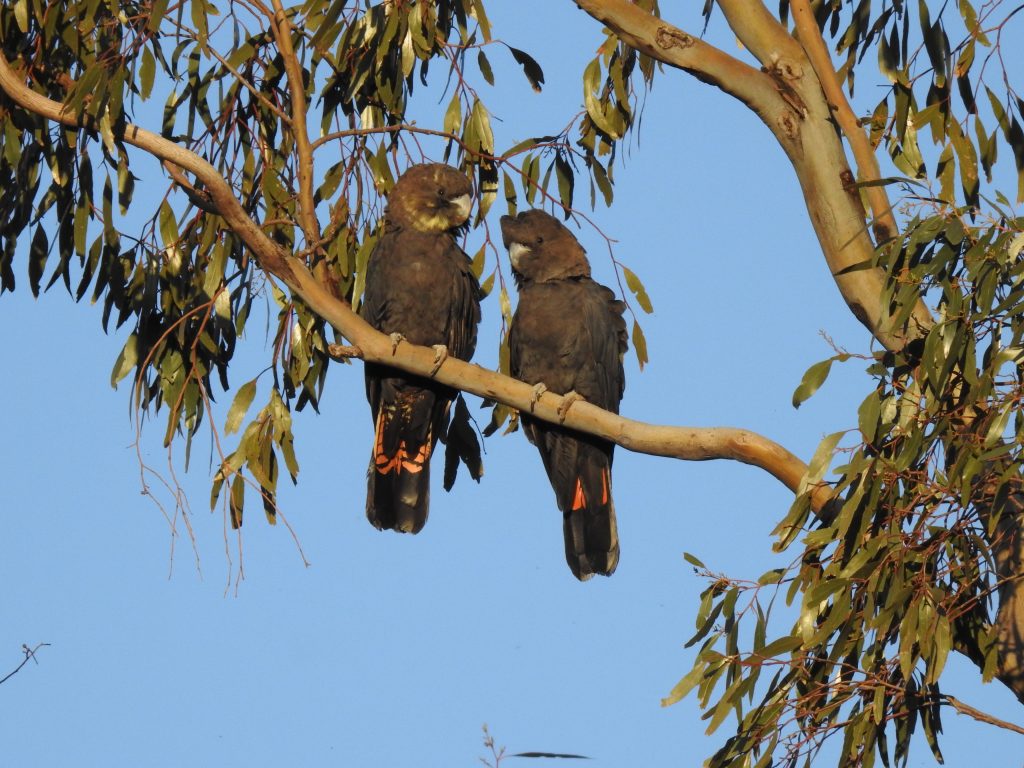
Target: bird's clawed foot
(396, 339)
(567, 403)
(440, 355)
(538, 390)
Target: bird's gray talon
(567, 403)
(396, 339)
(538, 390)
(440, 355)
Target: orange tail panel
(579, 500)
(401, 461)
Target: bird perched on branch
(419, 288)
(568, 335)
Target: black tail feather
(398, 501)
(591, 534)
(591, 541)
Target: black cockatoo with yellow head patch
(419, 288)
(568, 334)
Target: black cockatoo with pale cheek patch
(419, 288)
(568, 335)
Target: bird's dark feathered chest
(420, 285)
(570, 335)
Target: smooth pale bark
(884, 225)
(787, 97)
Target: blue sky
(394, 650)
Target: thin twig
(285, 117)
(30, 653)
(281, 28)
(977, 714)
(199, 199)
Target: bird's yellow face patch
(431, 198)
(443, 215)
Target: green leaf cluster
(902, 569)
(172, 271)
(944, 73)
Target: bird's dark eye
(539, 239)
(440, 194)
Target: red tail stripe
(579, 501)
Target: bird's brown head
(541, 248)
(430, 197)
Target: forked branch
(672, 46)
(867, 161)
(786, 95)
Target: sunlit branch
(672, 46)
(791, 104)
(867, 161)
(758, 30)
(977, 714)
(687, 443)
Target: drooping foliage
(242, 85)
(918, 555)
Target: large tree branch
(759, 31)
(798, 115)
(687, 443)
(1006, 542)
(867, 161)
(676, 48)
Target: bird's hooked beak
(516, 251)
(462, 205)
